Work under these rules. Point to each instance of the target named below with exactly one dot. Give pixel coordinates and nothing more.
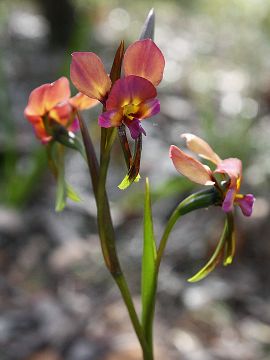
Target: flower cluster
(50, 103)
(230, 170)
(131, 98)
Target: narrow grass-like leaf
(148, 30)
(148, 267)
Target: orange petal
(45, 97)
(41, 132)
(143, 58)
(89, 76)
(56, 92)
(81, 101)
(36, 104)
(200, 147)
(190, 167)
(62, 113)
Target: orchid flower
(130, 99)
(230, 170)
(226, 178)
(50, 103)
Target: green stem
(199, 200)
(107, 238)
(123, 287)
(105, 226)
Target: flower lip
(246, 203)
(130, 90)
(130, 100)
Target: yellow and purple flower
(50, 103)
(230, 170)
(131, 98)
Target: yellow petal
(200, 147)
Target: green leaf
(215, 258)
(149, 277)
(149, 26)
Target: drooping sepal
(133, 172)
(225, 246)
(229, 247)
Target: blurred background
(57, 300)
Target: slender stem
(106, 231)
(163, 242)
(123, 287)
(92, 161)
(199, 200)
(105, 226)
(107, 238)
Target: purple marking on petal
(148, 108)
(135, 128)
(227, 204)
(109, 119)
(104, 120)
(246, 204)
(74, 127)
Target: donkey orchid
(130, 99)
(50, 103)
(230, 170)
